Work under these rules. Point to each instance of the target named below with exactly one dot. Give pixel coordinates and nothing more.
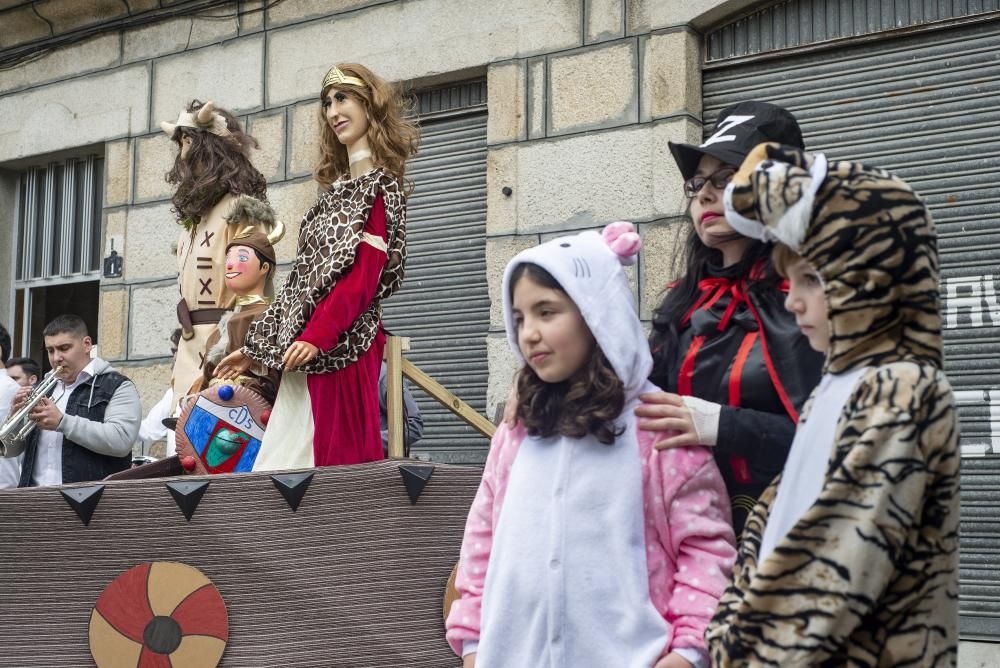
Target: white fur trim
(218, 351)
(792, 225)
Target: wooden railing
(398, 366)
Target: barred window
(59, 220)
(57, 257)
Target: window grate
(58, 221)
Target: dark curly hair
(588, 402)
(213, 167)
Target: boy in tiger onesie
(851, 556)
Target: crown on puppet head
(335, 77)
(205, 119)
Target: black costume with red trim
(761, 381)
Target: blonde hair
(392, 133)
(784, 257)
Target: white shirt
(48, 460)
(805, 470)
(152, 428)
(10, 467)
(567, 572)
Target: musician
(24, 371)
(9, 466)
(86, 429)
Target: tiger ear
(771, 196)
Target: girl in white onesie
(585, 546)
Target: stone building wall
(583, 97)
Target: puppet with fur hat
(250, 264)
(218, 192)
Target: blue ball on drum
(226, 392)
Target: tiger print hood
(867, 233)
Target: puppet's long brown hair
(589, 402)
(214, 166)
(392, 134)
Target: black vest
(78, 463)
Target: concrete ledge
(660, 262)
(505, 83)
(152, 314)
(228, 74)
(500, 251)
(587, 180)
(671, 75)
(151, 235)
(536, 98)
(176, 35)
(502, 364)
(303, 139)
(642, 16)
(417, 39)
(154, 157)
(118, 173)
(112, 331)
(92, 55)
(295, 11)
(291, 201)
(593, 88)
(978, 654)
(72, 113)
(268, 129)
(605, 19)
(21, 26)
(152, 380)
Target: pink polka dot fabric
(690, 546)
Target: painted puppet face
(807, 300)
(346, 115)
(551, 332)
(245, 273)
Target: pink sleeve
(462, 624)
(354, 292)
(702, 541)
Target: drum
(222, 428)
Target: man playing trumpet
(84, 431)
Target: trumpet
(17, 427)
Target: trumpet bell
(17, 428)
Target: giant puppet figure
(250, 265)
(222, 423)
(218, 192)
(324, 328)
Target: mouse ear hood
(590, 268)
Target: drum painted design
(159, 615)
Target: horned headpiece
(205, 119)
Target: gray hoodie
(114, 436)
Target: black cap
(737, 131)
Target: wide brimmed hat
(737, 131)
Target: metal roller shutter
(444, 305)
(925, 106)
